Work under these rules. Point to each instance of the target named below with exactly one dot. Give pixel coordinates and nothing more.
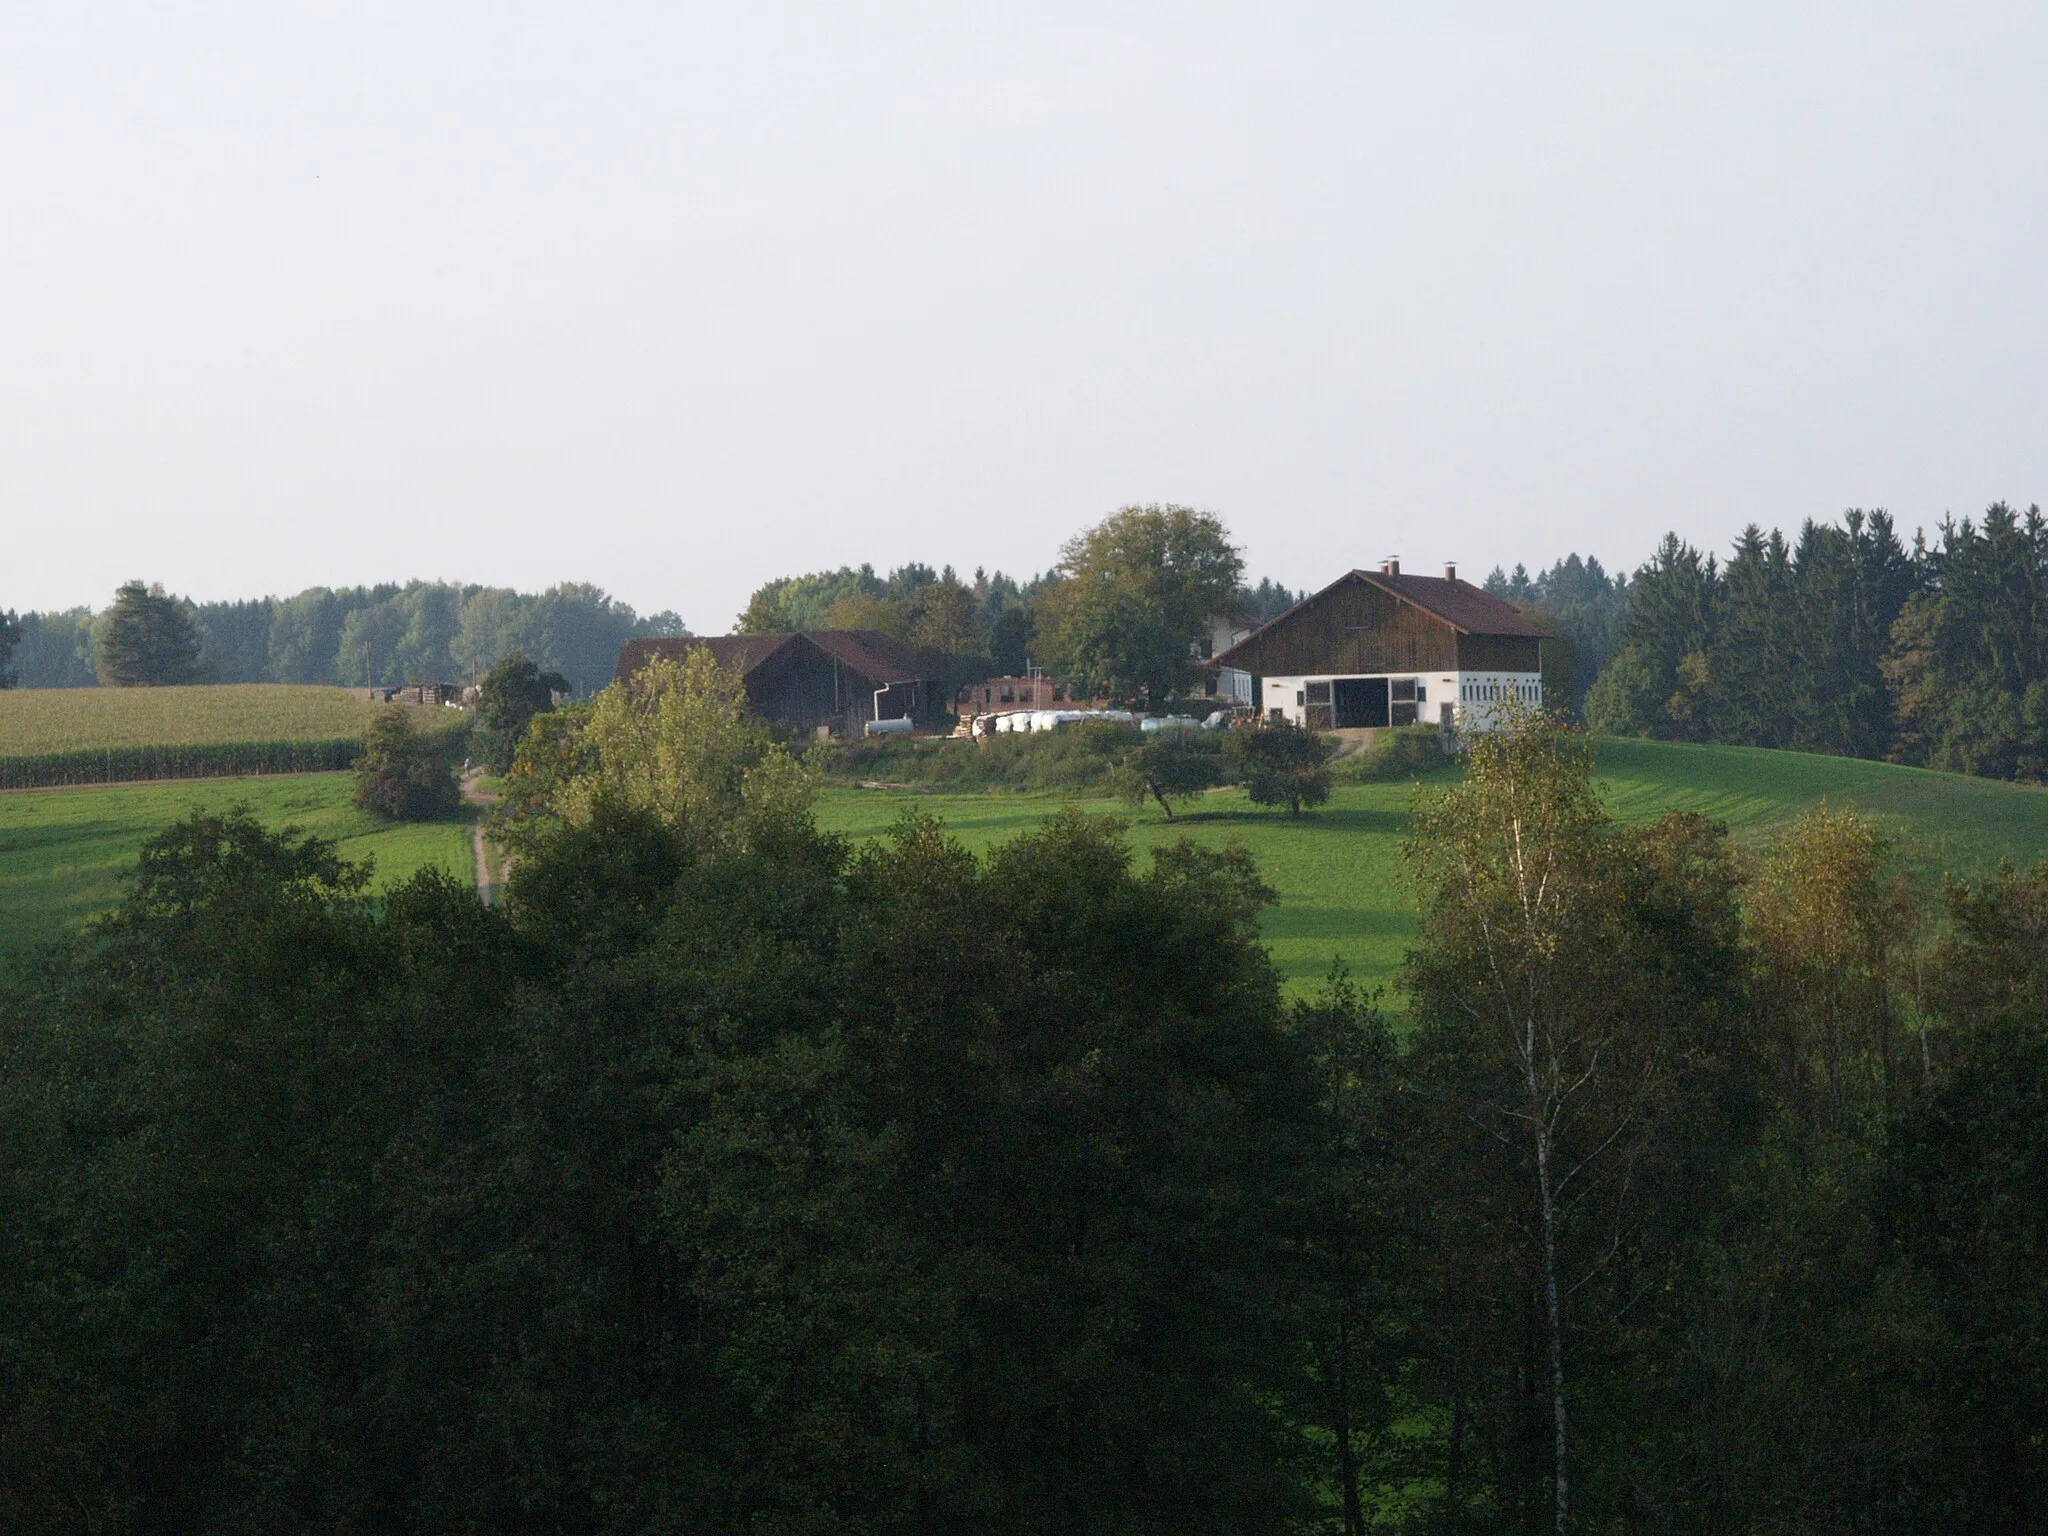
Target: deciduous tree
(1134, 595)
(1280, 763)
(511, 695)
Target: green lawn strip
(1343, 884)
(1338, 870)
(63, 851)
(1947, 822)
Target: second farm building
(1379, 648)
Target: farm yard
(103, 735)
(63, 851)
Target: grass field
(1343, 887)
(62, 851)
(34, 721)
(1342, 883)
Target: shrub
(403, 775)
(1075, 758)
(1280, 763)
(1396, 754)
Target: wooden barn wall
(1357, 628)
(796, 688)
(1499, 653)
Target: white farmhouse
(1378, 648)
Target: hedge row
(215, 761)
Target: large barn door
(1360, 701)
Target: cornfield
(115, 765)
(63, 736)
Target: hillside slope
(1343, 885)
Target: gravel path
(485, 890)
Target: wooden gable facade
(1367, 623)
(838, 679)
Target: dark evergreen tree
(146, 639)
(10, 636)
(1659, 682)
(1969, 660)
(1750, 659)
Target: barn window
(1318, 693)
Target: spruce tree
(146, 640)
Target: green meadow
(1339, 871)
(63, 851)
(1342, 881)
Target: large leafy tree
(515, 691)
(1134, 596)
(146, 639)
(10, 636)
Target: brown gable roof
(1464, 607)
(869, 652)
(865, 652)
(740, 653)
(1468, 609)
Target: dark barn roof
(1459, 605)
(1468, 609)
(867, 653)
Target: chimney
(1450, 571)
(1391, 566)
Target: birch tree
(1561, 967)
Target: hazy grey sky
(677, 298)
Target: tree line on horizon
(1842, 640)
(1120, 616)
(375, 636)
(710, 1184)
(1847, 642)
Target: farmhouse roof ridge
(870, 653)
(1463, 607)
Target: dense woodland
(709, 1184)
(422, 631)
(1842, 640)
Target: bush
(1075, 758)
(1280, 763)
(404, 775)
(1395, 754)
